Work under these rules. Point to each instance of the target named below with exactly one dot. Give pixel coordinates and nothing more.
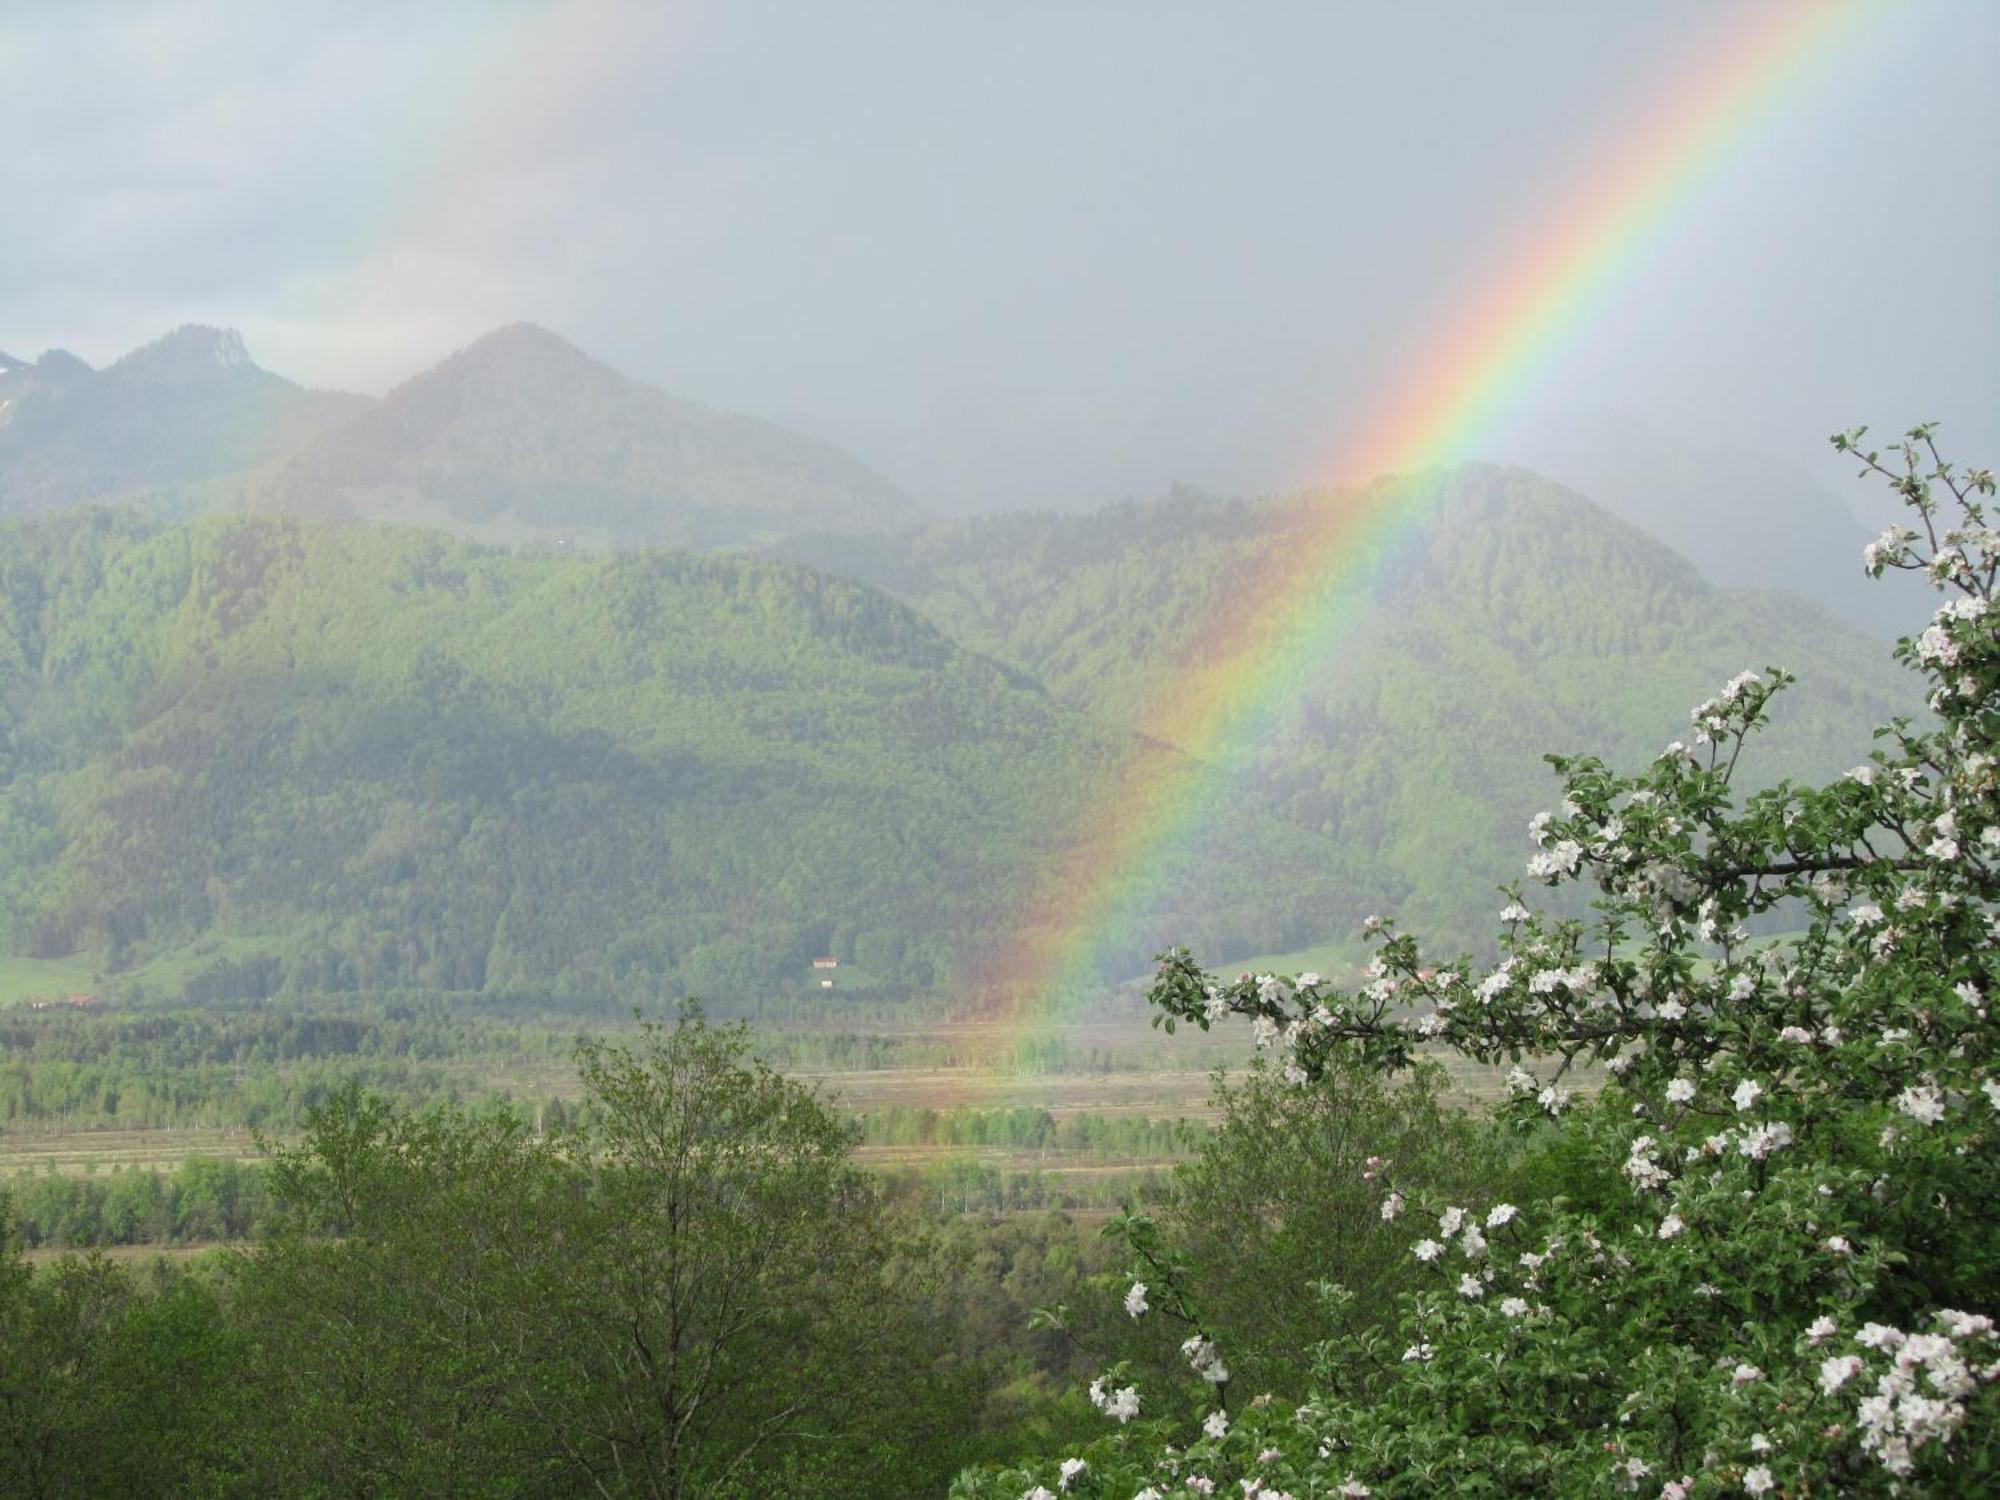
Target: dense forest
(1515, 619)
(394, 759)
(382, 758)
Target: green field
(24, 979)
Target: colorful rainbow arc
(1245, 670)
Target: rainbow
(1246, 668)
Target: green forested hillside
(392, 759)
(1514, 620)
(353, 756)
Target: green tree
(1285, 1194)
(109, 1388)
(691, 1292)
(1770, 1269)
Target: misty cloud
(1026, 255)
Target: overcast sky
(1012, 253)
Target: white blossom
(1553, 863)
(1761, 1141)
(1936, 645)
(1206, 1360)
(1121, 1405)
(1923, 1103)
(1837, 1371)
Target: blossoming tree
(1770, 1266)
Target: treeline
(207, 1199)
(1123, 1136)
(254, 1066)
(202, 1200)
(267, 1065)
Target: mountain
(518, 438)
(161, 420)
(1745, 519)
(521, 436)
(338, 755)
(1514, 620)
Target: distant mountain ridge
(521, 435)
(153, 427)
(518, 438)
(1747, 520)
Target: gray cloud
(1016, 254)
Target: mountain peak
(520, 428)
(190, 349)
(60, 364)
(521, 362)
(524, 338)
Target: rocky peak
(191, 350)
